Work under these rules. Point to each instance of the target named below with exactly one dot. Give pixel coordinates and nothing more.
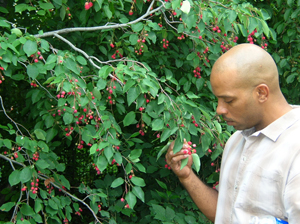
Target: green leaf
(102, 163)
(68, 118)
(7, 143)
(52, 204)
(162, 184)
(46, 6)
(138, 181)
(131, 199)
(42, 164)
(14, 177)
(177, 145)
(133, 39)
(163, 150)
(184, 162)
(7, 206)
(71, 64)
(117, 182)
(26, 210)
(137, 27)
(64, 182)
(32, 71)
(81, 60)
(30, 47)
(196, 162)
(107, 11)
(105, 71)
(26, 174)
(135, 154)
(160, 212)
(129, 118)
(44, 147)
(132, 95)
(157, 124)
(40, 134)
(138, 191)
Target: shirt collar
(276, 128)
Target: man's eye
(229, 101)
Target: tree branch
(105, 27)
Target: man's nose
(221, 108)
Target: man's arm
(204, 197)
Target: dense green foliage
(91, 93)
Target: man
(260, 171)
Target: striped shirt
(260, 173)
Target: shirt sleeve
(292, 192)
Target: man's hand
(174, 160)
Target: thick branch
(105, 27)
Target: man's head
(245, 81)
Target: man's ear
(262, 92)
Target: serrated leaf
(26, 210)
(162, 184)
(40, 134)
(163, 150)
(138, 191)
(184, 162)
(138, 181)
(131, 199)
(25, 174)
(7, 206)
(30, 47)
(196, 162)
(177, 145)
(14, 177)
(117, 182)
(104, 71)
(68, 118)
(129, 118)
(81, 60)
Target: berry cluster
(167, 167)
(190, 150)
(97, 169)
(217, 29)
(115, 54)
(37, 57)
(194, 122)
(36, 156)
(34, 186)
(110, 92)
(88, 5)
(250, 37)
(33, 84)
(49, 188)
(165, 43)
(78, 212)
(197, 73)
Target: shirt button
(244, 158)
(235, 187)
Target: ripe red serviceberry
(212, 164)
(141, 109)
(158, 135)
(122, 199)
(130, 176)
(130, 13)
(87, 6)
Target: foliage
(91, 93)
(284, 18)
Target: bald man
(260, 171)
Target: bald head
(250, 66)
